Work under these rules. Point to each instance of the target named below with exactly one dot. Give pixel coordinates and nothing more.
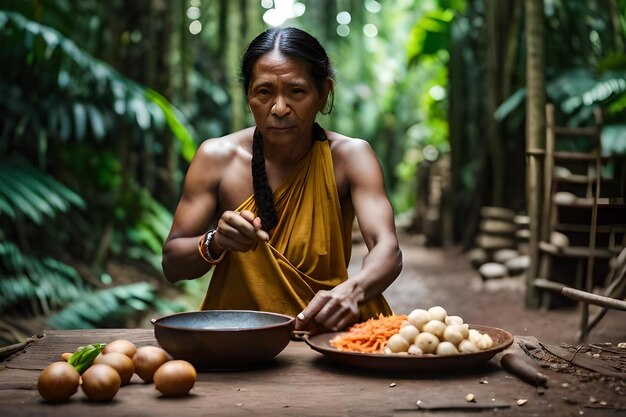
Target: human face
(284, 99)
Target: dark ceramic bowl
(224, 339)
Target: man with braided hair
(271, 207)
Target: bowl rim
(158, 322)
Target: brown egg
(124, 346)
(120, 362)
(175, 378)
(147, 360)
(101, 382)
(58, 382)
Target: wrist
(204, 244)
(215, 250)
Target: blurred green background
(104, 103)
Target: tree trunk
(535, 134)
(233, 52)
(495, 153)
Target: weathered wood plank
(300, 382)
(49, 348)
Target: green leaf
(32, 193)
(97, 122)
(103, 308)
(512, 103)
(176, 126)
(80, 120)
(141, 112)
(84, 356)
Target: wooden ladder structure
(573, 224)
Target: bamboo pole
(535, 134)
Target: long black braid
(263, 194)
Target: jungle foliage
(104, 104)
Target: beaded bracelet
(203, 248)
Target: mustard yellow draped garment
(309, 249)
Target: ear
(328, 85)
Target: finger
(342, 318)
(231, 238)
(310, 327)
(263, 235)
(232, 244)
(248, 215)
(311, 311)
(260, 233)
(332, 307)
(238, 228)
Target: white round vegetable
(409, 332)
(437, 313)
(485, 342)
(418, 318)
(474, 336)
(465, 330)
(453, 320)
(397, 343)
(467, 347)
(435, 327)
(415, 350)
(446, 349)
(427, 342)
(453, 334)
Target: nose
(280, 107)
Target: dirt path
(433, 276)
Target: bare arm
(338, 307)
(198, 210)
(193, 217)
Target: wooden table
(299, 382)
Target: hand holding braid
(263, 194)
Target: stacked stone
(500, 245)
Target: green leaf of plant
(84, 356)
(80, 120)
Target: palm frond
(28, 192)
(46, 283)
(104, 308)
(149, 232)
(86, 93)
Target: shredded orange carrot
(371, 336)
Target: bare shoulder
(225, 148)
(351, 155)
(216, 159)
(354, 162)
(343, 146)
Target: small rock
(559, 240)
(492, 270)
(621, 345)
(393, 384)
(503, 255)
(522, 401)
(470, 398)
(517, 265)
